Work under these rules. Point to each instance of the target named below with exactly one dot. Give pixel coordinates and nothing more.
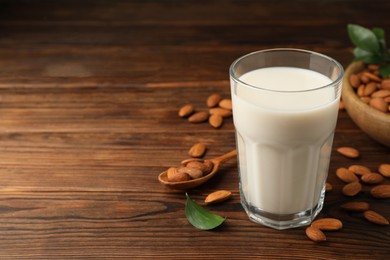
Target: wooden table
(89, 96)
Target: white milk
(284, 140)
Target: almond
(364, 79)
(315, 234)
(174, 175)
(197, 150)
(216, 121)
(213, 100)
(379, 104)
(351, 189)
(354, 80)
(355, 206)
(341, 105)
(186, 110)
(385, 83)
(369, 89)
(328, 224)
(220, 111)
(381, 93)
(226, 103)
(349, 152)
(198, 117)
(206, 166)
(371, 76)
(384, 169)
(328, 187)
(381, 191)
(373, 66)
(360, 90)
(194, 173)
(372, 178)
(359, 169)
(217, 196)
(346, 175)
(375, 217)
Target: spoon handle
(225, 157)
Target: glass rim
(333, 83)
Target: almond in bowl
(366, 111)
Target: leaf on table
(201, 218)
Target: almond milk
(284, 137)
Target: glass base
(283, 221)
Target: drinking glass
(285, 106)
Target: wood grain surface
(89, 94)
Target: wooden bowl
(374, 123)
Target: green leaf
(384, 71)
(380, 35)
(367, 57)
(363, 38)
(201, 218)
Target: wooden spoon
(185, 185)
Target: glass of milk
(285, 105)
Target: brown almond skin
(381, 191)
(372, 76)
(328, 187)
(358, 206)
(226, 103)
(381, 93)
(197, 150)
(360, 90)
(341, 105)
(192, 172)
(315, 234)
(346, 175)
(206, 166)
(352, 189)
(186, 110)
(370, 88)
(385, 84)
(372, 178)
(220, 111)
(359, 169)
(354, 80)
(174, 175)
(349, 152)
(213, 100)
(217, 196)
(198, 117)
(384, 169)
(375, 217)
(379, 104)
(216, 121)
(329, 224)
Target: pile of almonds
(314, 231)
(352, 176)
(218, 109)
(192, 168)
(371, 88)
